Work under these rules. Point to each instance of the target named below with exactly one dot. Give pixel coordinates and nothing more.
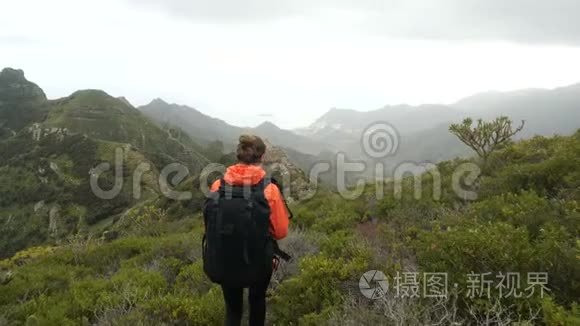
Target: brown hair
(250, 149)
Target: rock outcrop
(14, 86)
(21, 102)
(293, 180)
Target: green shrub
(555, 315)
(192, 280)
(521, 210)
(190, 309)
(558, 253)
(500, 247)
(476, 248)
(315, 289)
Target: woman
(267, 205)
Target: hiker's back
(243, 217)
(237, 248)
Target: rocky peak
(12, 74)
(158, 102)
(14, 86)
(267, 125)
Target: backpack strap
(235, 191)
(222, 186)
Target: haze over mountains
(545, 112)
(206, 128)
(422, 130)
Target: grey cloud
(228, 10)
(524, 21)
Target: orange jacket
(240, 174)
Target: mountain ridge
(485, 94)
(203, 126)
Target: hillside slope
(96, 114)
(51, 149)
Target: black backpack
(237, 246)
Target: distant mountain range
(545, 111)
(405, 118)
(422, 130)
(205, 128)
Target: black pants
(234, 298)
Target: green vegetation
(153, 274)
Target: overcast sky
(290, 61)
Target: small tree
(486, 136)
